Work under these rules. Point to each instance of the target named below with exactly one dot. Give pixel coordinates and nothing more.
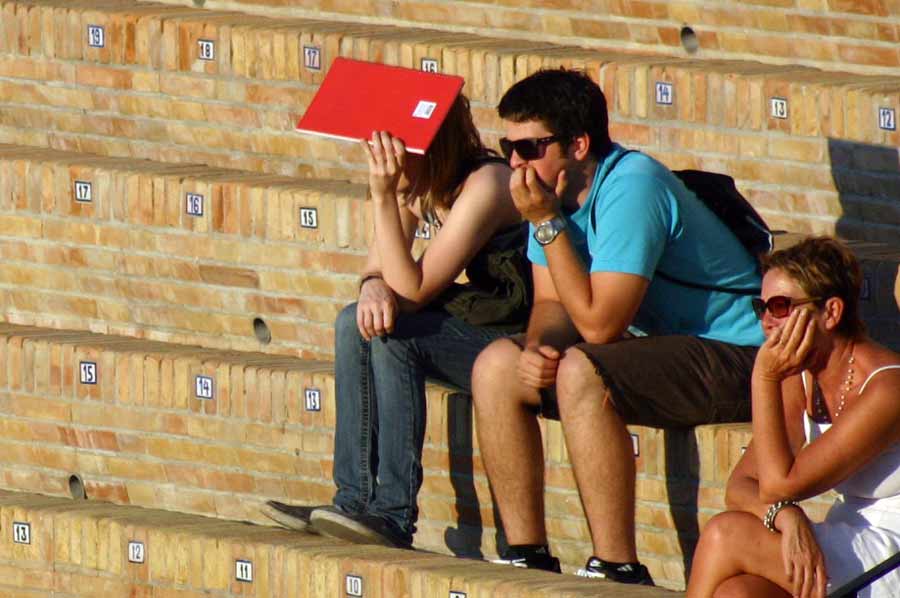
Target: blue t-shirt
(646, 221)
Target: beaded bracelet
(772, 513)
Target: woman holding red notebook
(412, 321)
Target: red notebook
(359, 97)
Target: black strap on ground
(849, 589)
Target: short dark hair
(567, 102)
(824, 267)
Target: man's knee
(577, 380)
(495, 379)
(495, 364)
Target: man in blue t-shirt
(613, 339)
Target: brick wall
(87, 550)
(131, 419)
(830, 164)
(133, 261)
(858, 35)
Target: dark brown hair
(455, 147)
(567, 102)
(824, 267)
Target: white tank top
(880, 479)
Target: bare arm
(600, 305)
(857, 437)
(482, 207)
(742, 492)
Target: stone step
(830, 163)
(126, 418)
(133, 261)
(860, 36)
(85, 549)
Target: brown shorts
(671, 381)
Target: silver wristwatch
(545, 232)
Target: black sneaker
(360, 529)
(294, 517)
(529, 557)
(633, 573)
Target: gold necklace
(848, 383)
(821, 408)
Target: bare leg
(601, 453)
(732, 545)
(749, 586)
(510, 442)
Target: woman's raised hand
(787, 351)
(387, 156)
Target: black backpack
(719, 193)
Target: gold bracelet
(772, 513)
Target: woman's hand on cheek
(787, 351)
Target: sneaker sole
(285, 520)
(338, 525)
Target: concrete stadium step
(130, 420)
(183, 253)
(86, 549)
(120, 263)
(815, 151)
(220, 258)
(858, 35)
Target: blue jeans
(380, 394)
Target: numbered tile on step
(636, 444)
(206, 49)
(136, 553)
(313, 399)
(193, 204)
(21, 532)
(429, 65)
(96, 36)
(84, 191)
(309, 218)
(664, 93)
(203, 387)
(354, 585)
(312, 58)
(779, 108)
(87, 372)
(455, 594)
(887, 119)
(243, 570)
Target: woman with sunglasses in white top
(826, 415)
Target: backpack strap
(668, 277)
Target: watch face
(547, 231)
(544, 233)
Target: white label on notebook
(424, 109)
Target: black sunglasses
(532, 148)
(779, 305)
